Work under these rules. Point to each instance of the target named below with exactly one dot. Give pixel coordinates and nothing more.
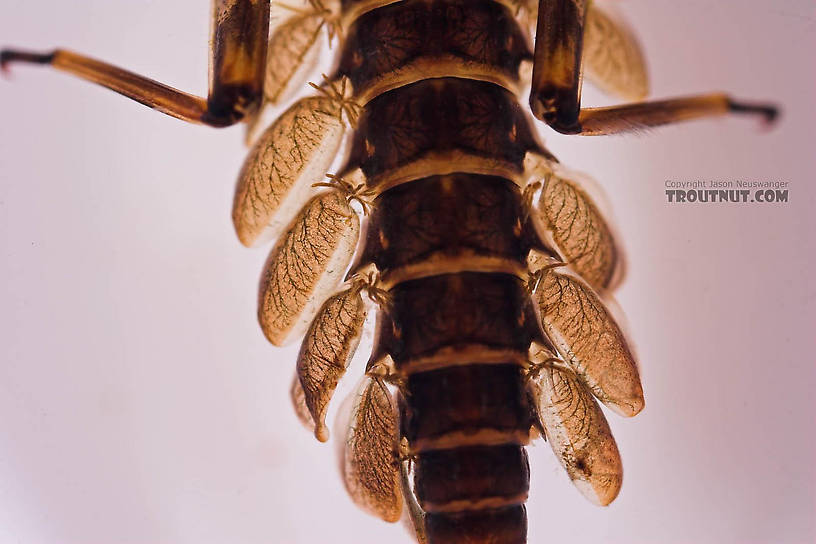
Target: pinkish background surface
(140, 403)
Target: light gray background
(140, 403)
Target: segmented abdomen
(442, 141)
(470, 217)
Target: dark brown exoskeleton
(486, 260)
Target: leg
(556, 88)
(642, 115)
(238, 57)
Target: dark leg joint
(8, 56)
(558, 108)
(769, 112)
(231, 105)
